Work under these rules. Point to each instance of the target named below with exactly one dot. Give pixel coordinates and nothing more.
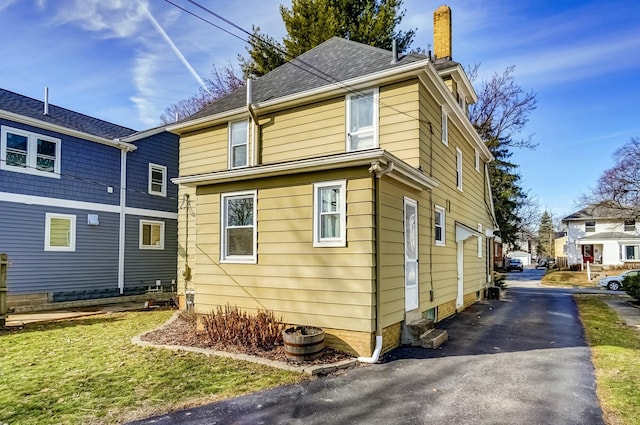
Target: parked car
(515, 264)
(546, 263)
(614, 283)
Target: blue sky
(108, 59)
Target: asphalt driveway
(520, 360)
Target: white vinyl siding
(362, 120)
(31, 153)
(151, 234)
(60, 232)
(239, 144)
(329, 214)
(157, 180)
(238, 233)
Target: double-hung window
(459, 165)
(157, 180)
(151, 234)
(362, 120)
(439, 225)
(27, 152)
(239, 144)
(629, 225)
(629, 252)
(60, 232)
(589, 226)
(238, 244)
(444, 125)
(329, 214)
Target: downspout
(123, 204)
(378, 172)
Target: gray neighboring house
(87, 208)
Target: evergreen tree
(546, 246)
(310, 22)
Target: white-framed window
(480, 244)
(629, 252)
(151, 234)
(459, 169)
(445, 126)
(239, 144)
(60, 232)
(27, 152)
(330, 213)
(362, 120)
(439, 228)
(589, 226)
(238, 234)
(477, 160)
(157, 180)
(629, 225)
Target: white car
(615, 282)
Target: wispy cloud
(109, 18)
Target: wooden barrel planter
(303, 343)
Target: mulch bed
(183, 331)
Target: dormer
(449, 70)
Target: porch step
(433, 338)
(414, 329)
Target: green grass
(616, 357)
(87, 371)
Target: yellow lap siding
(204, 151)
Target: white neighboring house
(602, 236)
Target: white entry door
(410, 254)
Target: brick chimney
(442, 32)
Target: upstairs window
(590, 226)
(239, 144)
(459, 169)
(362, 120)
(238, 243)
(157, 180)
(629, 225)
(439, 227)
(60, 232)
(27, 152)
(445, 127)
(329, 216)
(151, 234)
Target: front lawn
(615, 352)
(87, 371)
(570, 279)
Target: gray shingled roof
(335, 60)
(610, 235)
(32, 108)
(596, 212)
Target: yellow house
(345, 189)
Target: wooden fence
(3, 288)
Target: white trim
(411, 295)
(163, 169)
(72, 232)
(122, 234)
(64, 130)
(480, 243)
(341, 240)
(477, 159)
(31, 161)
(246, 259)
(142, 223)
(443, 240)
(459, 169)
(81, 205)
(373, 95)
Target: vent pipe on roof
(46, 101)
(394, 51)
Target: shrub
(231, 326)
(499, 279)
(631, 284)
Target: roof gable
(329, 63)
